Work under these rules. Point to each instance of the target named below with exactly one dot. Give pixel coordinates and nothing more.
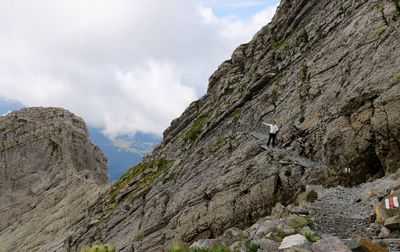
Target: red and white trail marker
(392, 202)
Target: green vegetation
(228, 91)
(196, 129)
(306, 223)
(161, 164)
(54, 146)
(221, 142)
(251, 247)
(288, 172)
(206, 196)
(280, 45)
(310, 237)
(139, 238)
(381, 30)
(302, 119)
(337, 94)
(178, 248)
(342, 10)
(280, 235)
(99, 248)
(305, 76)
(303, 36)
(397, 77)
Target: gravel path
(339, 211)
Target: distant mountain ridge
(122, 153)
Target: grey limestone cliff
(50, 172)
(327, 71)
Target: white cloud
(233, 4)
(123, 65)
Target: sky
(125, 66)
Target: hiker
(272, 132)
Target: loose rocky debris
(335, 219)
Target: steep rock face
(50, 172)
(327, 71)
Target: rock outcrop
(50, 172)
(326, 71)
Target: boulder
(382, 213)
(365, 245)
(385, 232)
(296, 240)
(260, 230)
(393, 223)
(267, 244)
(307, 196)
(205, 244)
(279, 211)
(330, 244)
(296, 221)
(231, 235)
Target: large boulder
(393, 223)
(383, 212)
(296, 221)
(307, 196)
(296, 240)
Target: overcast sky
(123, 65)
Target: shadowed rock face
(50, 172)
(327, 71)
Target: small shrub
(288, 172)
(279, 235)
(251, 247)
(308, 222)
(397, 77)
(228, 91)
(303, 36)
(305, 76)
(139, 238)
(178, 248)
(99, 248)
(337, 94)
(206, 196)
(310, 237)
(54, 146)
(381, 30)
(302, 119)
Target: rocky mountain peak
(49, 170)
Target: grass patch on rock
(137, 172)
(196, 128)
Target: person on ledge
(272, 132)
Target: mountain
(50, 173)
(122, 153)
(327, 72)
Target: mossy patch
(228, 91)
(99, 248)
(381, 30)
(196, 128)
(161, 166)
